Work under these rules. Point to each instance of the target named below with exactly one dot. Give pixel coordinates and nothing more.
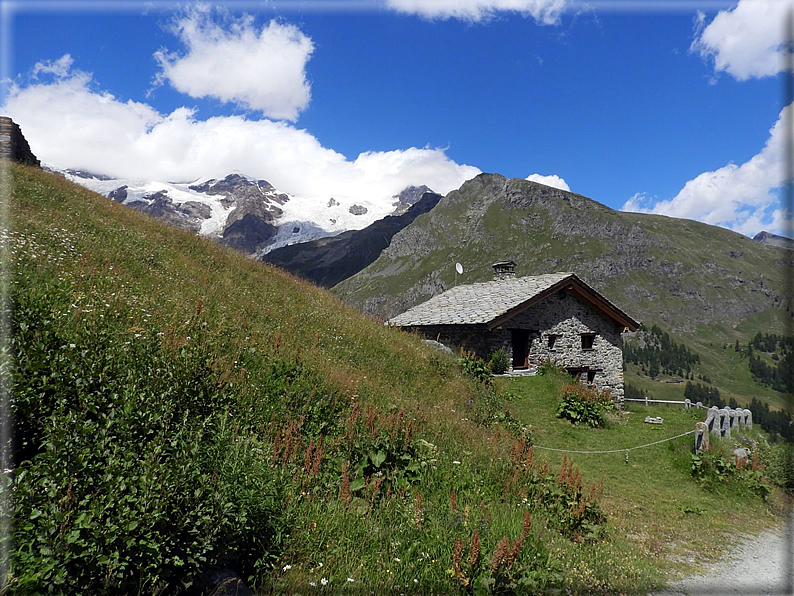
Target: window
(590, 376)
(552, 340)
(587, 340)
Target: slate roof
(486, 302)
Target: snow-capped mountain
(247, 214)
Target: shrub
(717, 465)
(549, 367)
(498, 361)
(475, 367)
(584, 405)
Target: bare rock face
(119, 195)
(255, 208)
(185, 216)
(357, 209)
(407, 197)
(13, 145)
(774, 240)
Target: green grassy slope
(180, 408)
(706, 285)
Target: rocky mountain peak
(407, 197)
(771, 239)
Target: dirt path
(760, 565)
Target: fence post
(725, 423)
(687, 404)
(646, 401)
(713, 421)
(748, 418)
(701, 436)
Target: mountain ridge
(328, 261)
(546, 229)
(243, 212)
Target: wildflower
(287, 567)
(72, 345)
(313, 584)
(416, 581)
(475, 549)
(456, 556)
(324, 581)
(350, 579)
(397, 559)
(456, 462)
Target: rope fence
(686, 403)
(623, 450)
(719, 422)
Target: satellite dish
(458, 267)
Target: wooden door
(520, 348)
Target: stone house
(554, 316)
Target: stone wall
(13, 145)
(561, 315)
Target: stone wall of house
(562, 315)
(568, 318)
(13, 145)
(472, 338)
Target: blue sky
(674, 110)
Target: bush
(717, 465)
(475, 367)
(132, 476)
(585, 405)
(498, 361)
(549, 367)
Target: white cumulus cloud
(745, 41)
(261, 69)
(71, 125)
(552, 180)
(740, 197)
(546, 12)
(58, 68)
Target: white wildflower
(287, 567)
(324, 581)
(456, 462)
(350, 579)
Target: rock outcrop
(13, 145)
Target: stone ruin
(13, 145)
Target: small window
(587, 341)
(552, 340)
(590, 376)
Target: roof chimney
(504, 270)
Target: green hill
(179, 408)
(704, 284)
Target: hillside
(706, 285)
(179, 408)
